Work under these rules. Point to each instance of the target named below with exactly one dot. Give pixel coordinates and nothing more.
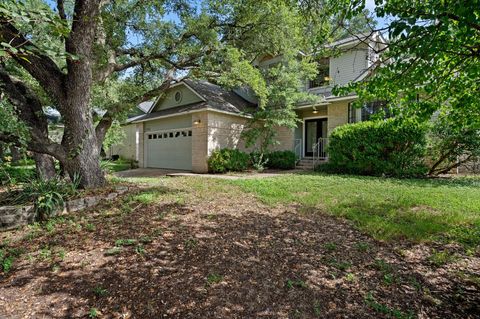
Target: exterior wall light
(196, 122)
(315, 111)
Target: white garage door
(169, 148)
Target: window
(165, 135)
(352, 113)
(367, 111)
(170, 134)
(372, 108)
(178, 96)
(323, 76)
(149, 136)
(189, 133)
(154, 136)
(184, 133)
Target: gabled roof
(214, 98)
(219, 98)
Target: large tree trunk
(44, 166)
(80, 140)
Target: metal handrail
(298, 144)
(319, 150)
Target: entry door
(314, 129)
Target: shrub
(227, 159)
(281, 159)
(258, 160)
(47, 195)
(392, 147)
(451, 144)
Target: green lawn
(417, 210)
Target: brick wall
(200, 142)
(337, 115)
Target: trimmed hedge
(281, 160)
(226, 159)
(391, 147)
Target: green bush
(226, 159)
(47, 195)
(392, 147)
(281, 159)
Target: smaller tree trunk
(1, 152)
(44, 166)
(15, 152)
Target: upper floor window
(367, 111)
(323, 76)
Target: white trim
(196, 93)
(191, 112)
(304, 128)
(171, 87)
(343, 98)
(312, 105)
(168, 130)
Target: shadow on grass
(223, 265)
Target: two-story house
(182, 128)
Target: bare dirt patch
(194, 253)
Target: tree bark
(15, 153)
(80, 140)
(44, 166)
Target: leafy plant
(259, 161)
(281, 159)
(48, 195)
(295, 284)
(386, 310)
(392, 147)
(226, 159)
(213, 279)
(93, 313)
(125, 242)
(99, 291)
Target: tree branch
(39, 65)
(29, 110)
(61, 9)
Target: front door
(314, 129)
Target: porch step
(307, 163)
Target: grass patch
(214, 279)
(386, 310)
(386, 208)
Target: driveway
(148, 172)
(157, 172)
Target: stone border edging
(14, 216)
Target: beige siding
(182, 121)
(348, 65)
(127, 147)
(168, 101)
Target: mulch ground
(226, 256)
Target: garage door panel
(169, 149)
